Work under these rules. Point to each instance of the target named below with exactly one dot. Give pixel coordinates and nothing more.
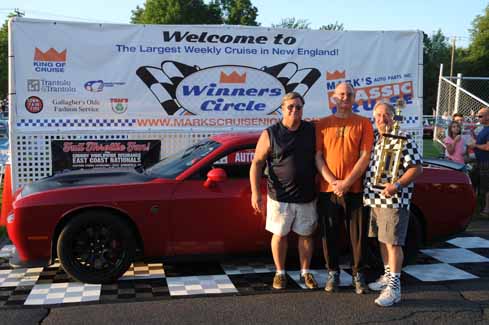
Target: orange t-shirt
(341, 140)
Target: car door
(218, 218)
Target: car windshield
(175, 164)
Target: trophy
(391, 149)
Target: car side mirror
(215, 175)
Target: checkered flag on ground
(163, 82)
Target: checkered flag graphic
(163, 82)
(292, 78)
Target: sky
(453, 17)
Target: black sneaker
(333, 281)
(358, 282)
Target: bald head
(483, 115)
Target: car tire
(96, 247)
(410, 248)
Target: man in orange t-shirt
(343, 145)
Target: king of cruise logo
(225, 90)
(49, 61)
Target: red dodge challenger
(194, 202)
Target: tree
(4, 57)
(293, 23)
(333, 27)
(177, 12)
(436, 51)
(239, 12)
(478, 51)
(232, 12)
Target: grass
(431, 149)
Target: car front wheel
(96, 247)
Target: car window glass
(175, 164)
(236, 164)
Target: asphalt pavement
(456, 302)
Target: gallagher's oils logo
(50, 60)
(233, 89)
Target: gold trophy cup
(391, 148)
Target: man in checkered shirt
(390, 206)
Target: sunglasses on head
(297, 107)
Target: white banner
(139, 77)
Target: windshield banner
(157, 77)
(76, 154)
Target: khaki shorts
(282, 217)
(389, 225)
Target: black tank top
(290, 166)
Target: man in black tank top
(288, 148)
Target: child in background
(454, 143)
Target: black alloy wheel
(96, 247)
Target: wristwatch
(398, 186)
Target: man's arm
(357, 172)
(323, 168)
(484, 146)
(413, 172)
(261, 153)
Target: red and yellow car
(194, 202)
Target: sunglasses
(297, 107)
(480, 116)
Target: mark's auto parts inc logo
(225, 88)
(50, 60)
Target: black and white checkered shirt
(410, 156)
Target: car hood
(87, 177)
(446, 164)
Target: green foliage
(293, 23)
(232, 12)
(4, 60)
(478, 52)
(176, 12)
(333, 27)
(238, 12)
(436, 51)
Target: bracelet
(398, 186)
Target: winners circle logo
(230, 89)
(225, 89)
(34, 104)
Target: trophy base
(378, 187)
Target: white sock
(280, 272)
(304, 271)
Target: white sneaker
(388, 297)
(380, 284)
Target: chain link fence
(464, 95)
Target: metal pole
(451, 75)
(457, 92)
(437, 114)
(453, 58)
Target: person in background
(481, 150)
(454, 143)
